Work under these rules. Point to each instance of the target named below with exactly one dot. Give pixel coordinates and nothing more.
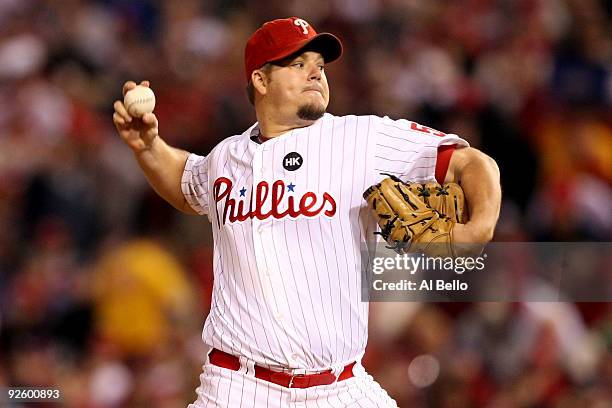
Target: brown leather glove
(416, 217)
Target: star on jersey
(290, 187)
(242, 192)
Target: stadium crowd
(104, 287)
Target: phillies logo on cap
(303, 24)
(278, 39)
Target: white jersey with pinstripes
(289, 222)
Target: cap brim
(328, 45)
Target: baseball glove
(416, 217)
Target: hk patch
(292, 161)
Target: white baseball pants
(223, 388)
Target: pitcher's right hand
(137, 133)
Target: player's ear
(259, 81)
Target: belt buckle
(292, 378)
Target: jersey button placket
(258, 229)
(265, 231)
(262, 239)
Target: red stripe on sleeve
(444, 155)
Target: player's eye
(321, 67)
(298, 64)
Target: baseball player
(287, 327)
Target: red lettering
(426, 129)
(234, 209)
(218, 195)
(229, 206)
(278, 191)
(418, 128)
(242, 216)
(436, 132)
(260, 198)
(220, 182)
(328, 198)
(306, 206)
(291, 207)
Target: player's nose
(314, 73)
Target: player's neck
(270, 129)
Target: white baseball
(139, 100)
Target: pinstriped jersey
(288, 220)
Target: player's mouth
(313, 89)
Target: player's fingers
(150, 120)
(119, 121)
(127, 86)
(145, 83)
(120, 109)
(151, 134)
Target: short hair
(267, 68)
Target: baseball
(139, 100)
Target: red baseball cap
(280, 38)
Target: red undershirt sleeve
(444, 155)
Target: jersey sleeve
(409, 150)
(194, 183)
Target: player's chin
(311, 111)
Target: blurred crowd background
(104, 288)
